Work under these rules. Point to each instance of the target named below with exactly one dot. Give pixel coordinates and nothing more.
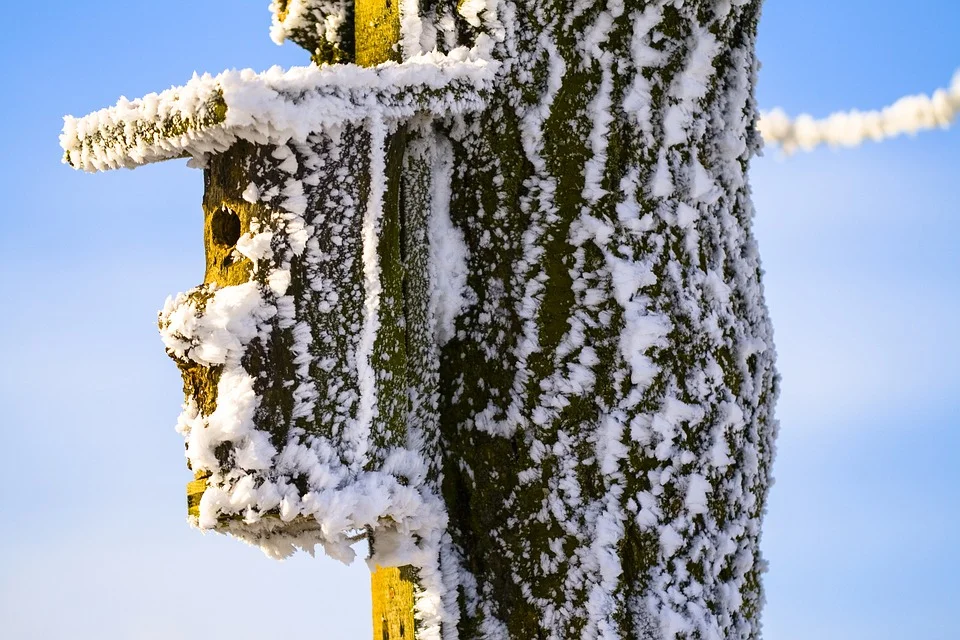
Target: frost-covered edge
(210, 113)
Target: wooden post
(392, 589)
(225, 218)
(377, 31)
(600, 421)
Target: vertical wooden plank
(377, 32)
(393, 588)
(377, 29)
(393, 595)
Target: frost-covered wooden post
(493, 303)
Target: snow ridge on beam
(210, 113)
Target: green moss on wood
(145, 133)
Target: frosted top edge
(210, 113)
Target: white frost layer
(326, 16)
(219, 335)
(908, 115)
(329, 479)
(448, 251)
(373, 289)
(375, 501)
(275, 106)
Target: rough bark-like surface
(607, 401)
(300, 325)
(377, 31)
(323, 27)
(523, 351)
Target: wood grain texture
(392, 591)
(377, 31)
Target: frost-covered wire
(909, 115)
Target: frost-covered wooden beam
(211, 113)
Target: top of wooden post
(377, 31)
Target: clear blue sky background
(862, 276)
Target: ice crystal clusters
(497, 306)
(322, 27)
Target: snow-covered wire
(909, 115)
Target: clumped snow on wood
(314, 20)
(561, 409)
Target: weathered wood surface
(377, 37)
(604, 415)
(392, 590)
(377, 31)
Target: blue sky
(862, 278)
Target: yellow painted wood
(195, 491)
(377, 31)
(226, 215)
(393, 596)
